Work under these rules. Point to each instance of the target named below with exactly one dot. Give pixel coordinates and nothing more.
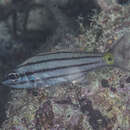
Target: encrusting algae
(88, 106)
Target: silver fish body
(49, 69)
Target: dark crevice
(96, 119)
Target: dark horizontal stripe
(57, 52)
(53, 77)
(57, 59)
(56, 68)
(71, 52)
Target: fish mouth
(5, 83)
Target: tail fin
(121, 52)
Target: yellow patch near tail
(109, 58)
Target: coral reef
(101, 104)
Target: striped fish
(49, 69)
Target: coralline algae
(88, 106)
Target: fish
(49, 69)
(60, 67)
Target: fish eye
(13, 76)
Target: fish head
(11, 79)
(121, 52)
(14, 80)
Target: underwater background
(30, 27)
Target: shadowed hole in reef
(4, 95)
(83, 8)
